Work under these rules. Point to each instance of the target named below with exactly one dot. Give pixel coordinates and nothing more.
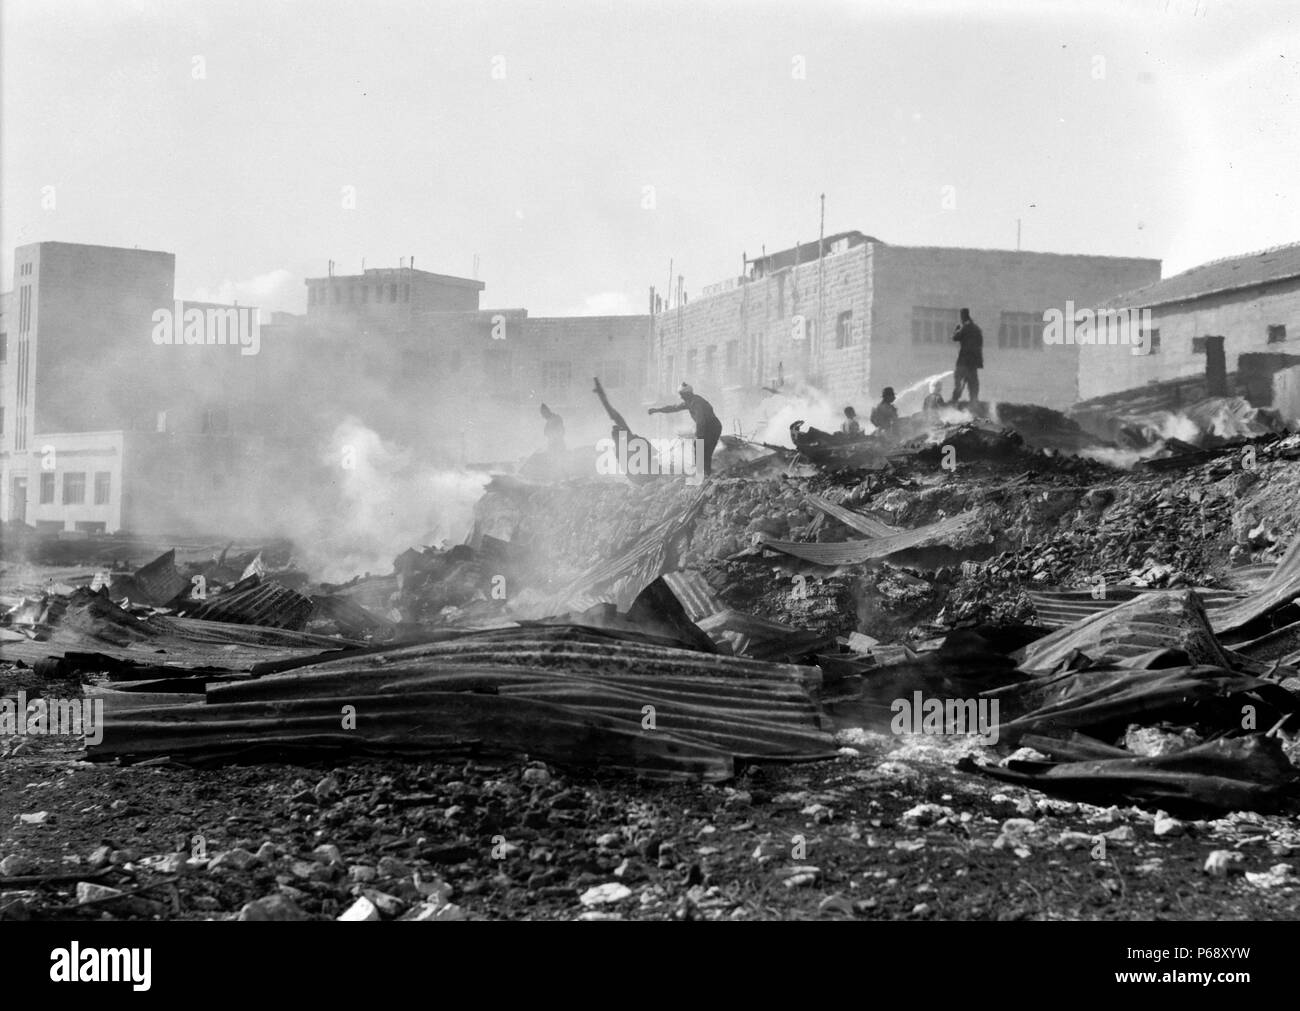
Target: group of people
(970, 359)
(884, 416)
(708, 429)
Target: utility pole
(1017, 235)
(821, 280)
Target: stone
(599, 895)
(88, 891)
(1167, 826)
(15, 866)
(362, 909)
(1222, 863)
(272, 907)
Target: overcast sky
(527, 134)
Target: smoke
(909, 399)
(803, 403)
(386, 501)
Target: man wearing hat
(707, 426)
(970, 359)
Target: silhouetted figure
(707, 426)
(885, 415)
(970, 359)
(933, 401)
(554, 430)
(850, 427)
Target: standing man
(970, 359)
(707, 425)
(554, 431)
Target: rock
(390, 905)
(599, 895)
(1276, 876)
(362, 909)
(266, 853)
(1222, 863)
(1167, 826)
(272, 907)
(327, 854)
(172, 863)
(432, 911)
(326, 790)
(798, 876)
(15, 866)
(236, 859)
(836, 903)
(536, 776)
(88, 891)
(36, 818)
(362, 874)
(119, 857)
(391, 867)
(100, 857)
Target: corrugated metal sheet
(857, 521)
(1056, 608)
(693, 590)
(564, 693)
(1282, 587)
(1234, 272)
(160, 581)
(268, 604)
(852, 552)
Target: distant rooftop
(807, 251)
(410, 273)
(1267, 266)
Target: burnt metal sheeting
(1281, 588)
(853, 552)
(1239, 774)
(159, 581)
(694, 592)
(620, 579)
(268, 604)
(763, 639)
(1056, 608)
(351, 618)
(1173, 620)
(856, 521)
(563, 693)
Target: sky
(575, 149)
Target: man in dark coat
(707, 426)
(970, 359)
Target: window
(1198, 345)
(74, 488)
(103, 480)
(1151, 340)
(690, 364)
(733, 354)
(1276, 335)
(933, 326)
(1021, 330)
(392, 293)
(47, 488)
(556, 377)
(709, 354)
(844, 329)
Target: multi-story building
(852, 314)
(94, 406)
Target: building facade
(1251, 302)
(866, 314)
